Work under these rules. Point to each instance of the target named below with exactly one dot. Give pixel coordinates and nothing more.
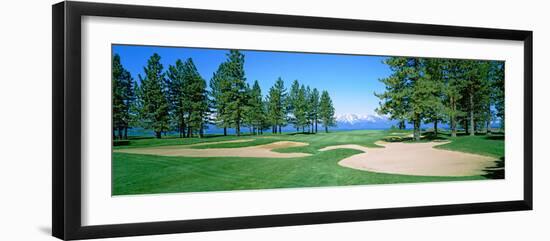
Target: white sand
(415, 159)
(395, 158)
(220, 142)
(250, 151)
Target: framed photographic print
(170, 120)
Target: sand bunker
(220, 142)
(250, 151)
(415, 159)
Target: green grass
(145, 174)
(488, 145)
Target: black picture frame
(66, 157)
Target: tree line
(179, 99)
(462, 93)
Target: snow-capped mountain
(354, 118)
(366, 121)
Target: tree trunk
(472, 121)
(326, 129)
(488, 127)
(126, 133)
(183, 126)
(435, 127)
(453, 118)
(238, 128)
(315, 125)
(416, 131)
(120, 133)
(201, 131)
(189, 132)
(158, 134)
(225, 131)
(401, 125)
(453, 126)
(280, 129)
(114, 134)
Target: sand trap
(250, 151)
(415, 159)
(220, 142)
(398, 133)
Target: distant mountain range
(355, 122)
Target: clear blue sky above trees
(350, 79)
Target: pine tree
(484, 100)
(219, 84)
(178, 96)
(326, 111)
(277, 106)
(300, 109)
(265, 122)
(273, 98)
(394, 100)
(235, 98)
(292, 103)
(410, 93)
(197, 104)
(434, 72)
(314, 107)
(451, 78)
(309, 109)
(497, 76)
(473, 89)
(255, 114)
(153, 97)
(123, 98)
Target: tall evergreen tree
(394, 101)
(300, 109)
(484, 101)
(123, 98)
(292, 103)
(474, 91)
(410, 92)
(276, 106)
(314, 108)
(452, 97)
(255, 115)
(197, 106)
(236, 96)
(326, 111)
(434, 72)
(309, 109)
(178, 96)
(497, 75)
(153, 97)
(219, 84)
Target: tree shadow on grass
(495, 137)
(495, 172)
(432, 136)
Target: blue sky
(349, 79)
